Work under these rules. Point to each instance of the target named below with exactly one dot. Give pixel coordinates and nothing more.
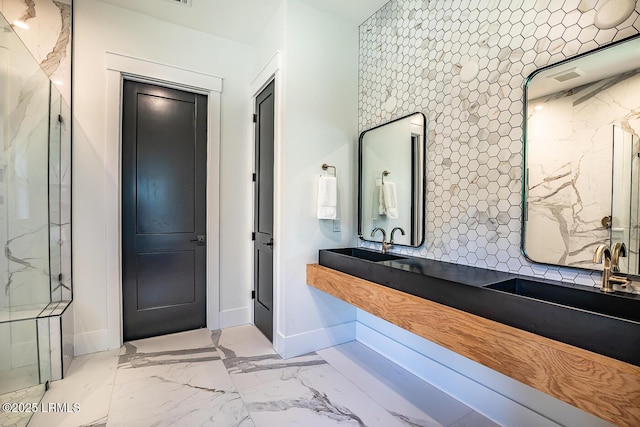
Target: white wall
(320, 126)
(272, 39)
(101, 28)
(321, 69)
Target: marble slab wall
(24, 187)
(48, 40)
(48, 37)
(463, 64)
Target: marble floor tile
(175, 386)
(304, 391)
(245, 340)
(89, 383)
(199, 338)
(234, 378)
(409, 398)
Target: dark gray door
(263, 215)
(164, 135)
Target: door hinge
(60, 277)
(253, 235)
(254, 177)
(59, 118)
(255, 118)
(253, 294)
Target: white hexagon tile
(463, 64)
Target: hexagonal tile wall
(463, 64)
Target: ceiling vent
(568, 74)
(182, 2)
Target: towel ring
(326, 166)
(384, 173)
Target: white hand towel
(327, 197)
(390, 199)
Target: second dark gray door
(263, 215)
(164, 135)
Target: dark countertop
(464, 288)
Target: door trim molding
(119, 67)
(274, 70)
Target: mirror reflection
(624, 201)
(581, 152)
(392, 181)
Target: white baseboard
(296, 345)
(91, 342)
(496, 396)
(235, 317)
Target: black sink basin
(625, 306)
(367, 255)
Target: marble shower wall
(24, 269)
(463, 64)
(48, 37)
(570, 152)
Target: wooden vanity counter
(600, 385)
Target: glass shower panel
(19, 366)
(60, 197)
(24, 169)
(64, 167)
(26, 103)
(55, 221)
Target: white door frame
(120, 67)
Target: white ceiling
(240, 20)
(355, 11)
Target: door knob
(269, 243)
(199, 239)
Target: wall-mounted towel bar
(326, 166)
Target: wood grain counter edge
(605, 387)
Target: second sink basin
(367, 255)
(622, 306)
